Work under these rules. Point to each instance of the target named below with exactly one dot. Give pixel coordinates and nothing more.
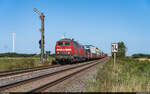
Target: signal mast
(42, 34)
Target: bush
(122, 49)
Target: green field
(10, 63)
(128, 75)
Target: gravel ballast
(77, 83)
(24, 76)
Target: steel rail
(51, 84)
(19, 71)
(8, 86)
(48, 85)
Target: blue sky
(96, 22)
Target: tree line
(122, 49)
(21, 55)
(17, 55)
(141, 55)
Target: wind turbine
(13, 40)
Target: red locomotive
(70, 51)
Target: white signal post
(114, 49)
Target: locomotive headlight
(57, 52)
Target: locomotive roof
(67, 39)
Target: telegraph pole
(42, 34)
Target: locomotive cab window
(60, 43)
(67, 43)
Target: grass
(21, 63)
(128, 75)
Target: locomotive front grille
(64, 57)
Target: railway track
(19, 71)
(42, 82)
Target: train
(70, 51)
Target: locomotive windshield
(60, 43)
(63, 43)
(67, 43)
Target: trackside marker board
(114, 47)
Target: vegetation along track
(42, 82)
(19, 71)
